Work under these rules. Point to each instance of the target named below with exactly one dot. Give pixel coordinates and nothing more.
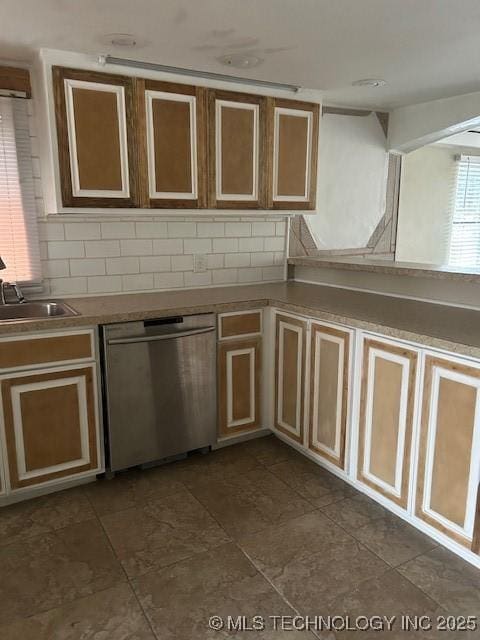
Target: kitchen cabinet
(293, 184)
(49, 413)
(449, 449)
(239, 367)
(172, 133)
(239, 372)
(50, 425)
(329, 392)
(387, 391)
(290, 362)
(237, 139)
(96, 135)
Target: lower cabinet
(290, 356)
(449, 450)
(386, 418)
(329, 391)
(50, 424)
(239, 376)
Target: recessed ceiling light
(126, 40)
(240, 60)
(369, 82)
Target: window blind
(465, 238)
(19, 246)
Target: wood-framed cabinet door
(290, 354)
(96, 138)
(239, 376)
(50, 424)
(449, 450)
(293, 182)
(172, 128)
(387, 405)
(236, 148)
(329, 392)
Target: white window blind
(465, 237)
(19, 246)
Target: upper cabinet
(96, 138)
(295, 152)
(133, 142)
(171, 120)
(236, 131)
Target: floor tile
(314, 483)
(128, 489)
(393, 539)
(270, 450)
(113, 614)
(43, 515)
(249, 502)
(448, 579)
(222, 463)
(355, 512)
(180, 599)
(311, 561)
(389, 596)
(47, 571)
(162, 531)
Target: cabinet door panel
(448, 463)
(329, 392)
(236, 147)
(290, 350)
(172, 122)
(386, 419)
(295, 141)
(239, 367)
(96, 138)
(50, 425)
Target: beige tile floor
(253, 529)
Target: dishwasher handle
(163, 336)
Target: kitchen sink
(33, 310)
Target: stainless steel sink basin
(33, 310)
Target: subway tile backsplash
(100, 255)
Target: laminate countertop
(439, 326)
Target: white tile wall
(108, 253)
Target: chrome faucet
(4, 285)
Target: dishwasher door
(160, 385)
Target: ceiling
(424, 49)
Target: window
(19, 246)
(465, 238)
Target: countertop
(370, 265)
(440, 326)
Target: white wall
(352, 181)
(425, 207)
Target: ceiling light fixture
(179, 71)
(369, 82)
(240, 60)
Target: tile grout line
(128, 581)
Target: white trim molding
(239, 197)
(150, 96)
(119, 91)
(297, 113)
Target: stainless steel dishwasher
(159, 387)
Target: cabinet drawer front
(449, 444)
(290, 350)
(329, 392)
(242, 323)
(239, 367)
(50, 425)
(30, 352)
(386, 419)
